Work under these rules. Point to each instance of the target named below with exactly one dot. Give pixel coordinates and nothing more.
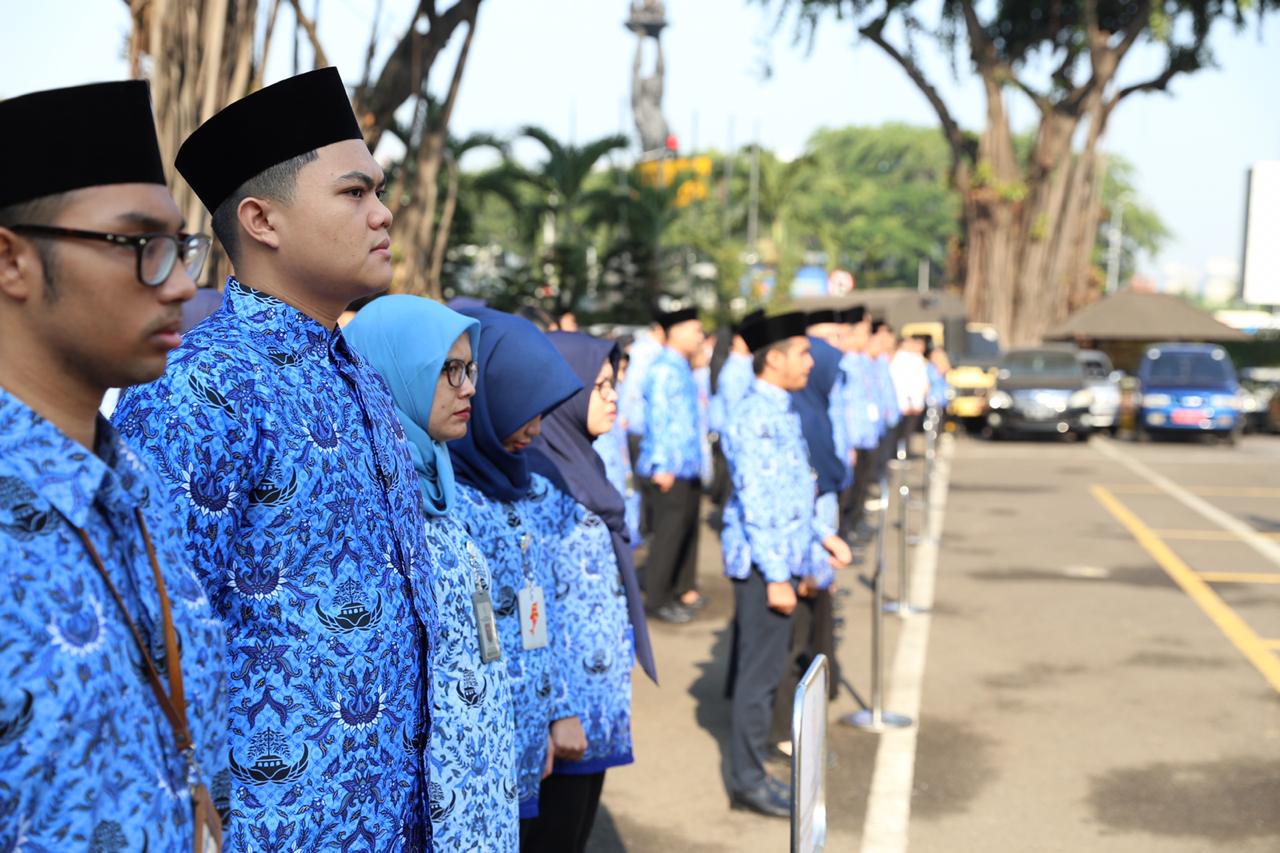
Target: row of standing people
(310, 588)
(786, 428)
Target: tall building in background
(1262, 235)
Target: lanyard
(206, 823)
(174, 705)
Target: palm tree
(558, 208)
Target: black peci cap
(823, 315)
(268, 127)
(852, 315)
(667, 319)
(766, 331)
(84, 136)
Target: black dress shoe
(779, 787)
(762, 800)
(696, 606)
(673, 614)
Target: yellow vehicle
(973, 375)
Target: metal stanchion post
(903, 607)
(875, 718)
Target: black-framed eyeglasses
(157, 254)
(604, 386)
(455, 370)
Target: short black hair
(276, 183)
(39, 211)
(758, 357)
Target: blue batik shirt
(937, 386)
(702, 381)
(302, 519)
(631, 392)
(672, 438)
(595, 630)
(770, 520)
(471, 751)
(860, 396)
(87, 758)
(612, 448)
(539, 692)
(736, 376)
(887, 391)
(826, 511)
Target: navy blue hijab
(565, 456)
(813, 403)
(521, 376)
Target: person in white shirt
(911, 380)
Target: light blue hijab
(407, 339)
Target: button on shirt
(672, 437)
(302, 519)
(770, 520)
(87, 757)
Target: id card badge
(533, 618)
(486, 626)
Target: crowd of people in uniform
(368, 582)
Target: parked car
(1040, 390)
(1103, 382)
(1188, 388)
(1260, 399)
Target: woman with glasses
(424, 352)
(519, 520)
(601, 614)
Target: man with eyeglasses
(113, 718)
(283, 449)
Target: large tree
(1029, 223)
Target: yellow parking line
(1228, 621)
(1272, 644)
(1240, 577)
(1207, 535)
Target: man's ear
(20, 267)
(256, 221)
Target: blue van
(1188, 388)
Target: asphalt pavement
(1100, 670)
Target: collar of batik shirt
(772, 393)
(284, 333)
(63, 472)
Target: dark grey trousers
(763, 637)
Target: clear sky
(566, 65)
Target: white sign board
(809, 759)
(1262, 235)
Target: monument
(648, 19)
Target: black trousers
(853, 500)
(567, 807)
(672, 566)
(813, 633)
(761, 640)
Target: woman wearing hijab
(423, 351)
(813, 621)
(518, 519)
(602, 614)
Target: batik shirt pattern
(770, 520)
(302, 519)
(471, 751)
(87, 757)
(591, 606)
(732, 385)
(612, 448)
(860, 396)
(672, 438)
(539, 692)
(887, 391)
